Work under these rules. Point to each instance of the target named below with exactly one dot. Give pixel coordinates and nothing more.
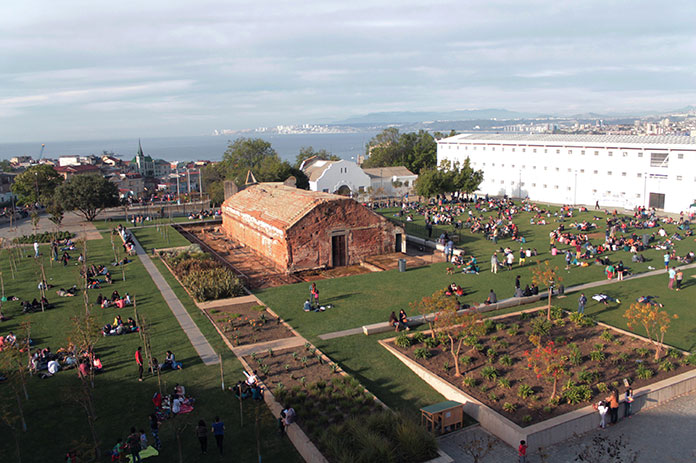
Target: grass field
(369, 298)
(121, 402)
(107, 224)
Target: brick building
(299, 229)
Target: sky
(95, 69)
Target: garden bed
(495, 368)
(336, 412)
(248, 323)
(45, 237)
(203, 277)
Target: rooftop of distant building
(563, 138)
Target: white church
(618, 171)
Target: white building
(338, 177)
(616, 170)
(391, 181)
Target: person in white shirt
(36, 249)
(602, 408)
(53, 367)
(250, 378)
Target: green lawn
(107, 224)
(120, 400)
(369, 298)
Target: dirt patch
(605, 359)
(248, 323)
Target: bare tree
(604, 449)
(477, 447)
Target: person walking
(678, 278)
(139, 361)
(494, 263)
(219, 432)
(36, 249)
(509, 260)
(666, 260)
(133, 443)
(154, 430)
(202, 434)
(672, 275)
(582, 300)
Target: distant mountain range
(410, 117)
(405, 117)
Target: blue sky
(96, 69)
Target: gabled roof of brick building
(277, 204)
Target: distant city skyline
(73, 70)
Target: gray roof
(575, 139)
(388, 172)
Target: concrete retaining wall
(551, 431)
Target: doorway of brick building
(338, 250)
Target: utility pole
(188, 176)
(200, 184)
(178, 191)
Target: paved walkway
(659, 434)
(199, 342)
(72, 222)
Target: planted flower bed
(530, 369)
(205, 278)
(248, 323)
(337, 413)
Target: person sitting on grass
(115, 296)
(170, 362)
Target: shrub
(489, 325)
(499, 326)
(597, 356)
(643, 372)
(489, 372)
(470, 340)
(492, 396)
(469, 382)
(576, 393)
(524, 391)
(513, 330)
(418, 336)
(556, 313)
(689, 359)
(505, 360)
(588, 376)
(45, 237)
(504, 383)
(211, 284)
(642, 351)
(580, 320)
(547, 409)
(479, 347)
(491, 353)
(403, 341)
(279, 392)
(527, 419)
(422, 353)
(502, 345)
(509, 407)
(446, 366)
(602, 387)
(559, 340)
(666, 365)
(606, 335)
(541, 326)
(574, 355)
(599, 346)
(431, 342)
(674, 354)
(465, 360)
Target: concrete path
(72, 222)
(659, 434)
(278, 344)
(340, 334)
(199, 342)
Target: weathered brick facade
(299, 230)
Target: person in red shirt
(522, 451)
(139, 361)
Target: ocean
(344, 145)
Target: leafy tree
(545, 275)
(257, 155)
(547, 361)
(307, 152)
(89, 194)
(431, 182)
(55, 208)
(655, 322)
(36, 184)
(213, 176)
(457, 327)
(466, 179)
(415, 151)
(431, 305)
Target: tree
(477, 446)
(431, 182)
(466, 179)
(543, 275)
(457, 327)
(36, 184)
(604, 449)
(547, 361)
(257, 155)
(307, 152)
(414, 150)
(431, 305)
(55, 208)
(89, 194)
(655, 322)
